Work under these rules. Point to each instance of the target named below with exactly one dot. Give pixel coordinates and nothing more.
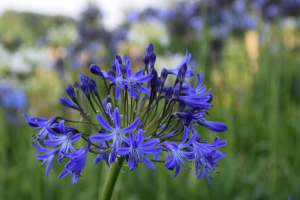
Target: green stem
(111, 179)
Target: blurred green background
(252, 69)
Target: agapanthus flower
(135, 81)
(64, 139)
(148, 124)
(46, 158)
(40, 122)
(138, 148)
(176, 156)
(76, 163)
(116, 133)
(206, 155)
(118, 80)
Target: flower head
(137, 150)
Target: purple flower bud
(67, 102)
(149, 49)
(163, 75)
(158, 85)
(181, 73)
(188, 118)
(93, 87)
(110, 73)
(125, 58)
(168, 95)
(119, 59)
(113, 68)
(95, 69)
(71, 93)
(153, 81)
(76, 85)
(146, 60)
(123, 70)
(175, 93)
(83, 78)
(152, 59)
(86, 90)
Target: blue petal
(54, 142)
(63, 173)
(150, 143)
(176, 171)
(152, 150)
(104, 123)
(140, 136)
(148, 163)
(62, 127)
(132, 126)
(113, 154)
(99, 137)
(111, 78)
(117, 93)
(74, 138)
(117, 120)
(143, 88)
(124, 151)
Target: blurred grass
(260, 107)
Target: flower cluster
(140, 116)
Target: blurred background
(247, 50)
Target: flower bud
(123, 70)
(110, 73)
(153, 81)
(149, 48)
(71, 93)
(125, 59)
(163, 75)
(86, 90)
(146, 60)
(76, 85)
(93, 87)
(181, 73)
(152, 59)
(95, 69)
(119, 59)
(67, 102)
(113, 68)
(182, 107)
(168, 95)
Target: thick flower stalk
(139, 118)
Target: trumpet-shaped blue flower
(76, 164)
(116, 133)
(206, 155)
(118, 80)
(189, 72)
(135, 81)
(176, 156)
(46, 158)
(64, 139)
(138, 149)
(40, 122)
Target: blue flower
(67, 102)
(76, 164)
(199, 102)
(117, 133)
(65, 140)
(118, 80)
(104, 156)
(211, 125)
(189, 91)
(186, 59)
(134, 81)
(40, 122)
(138, 149)
(175, 156)
(206, 155)
(47, 158)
